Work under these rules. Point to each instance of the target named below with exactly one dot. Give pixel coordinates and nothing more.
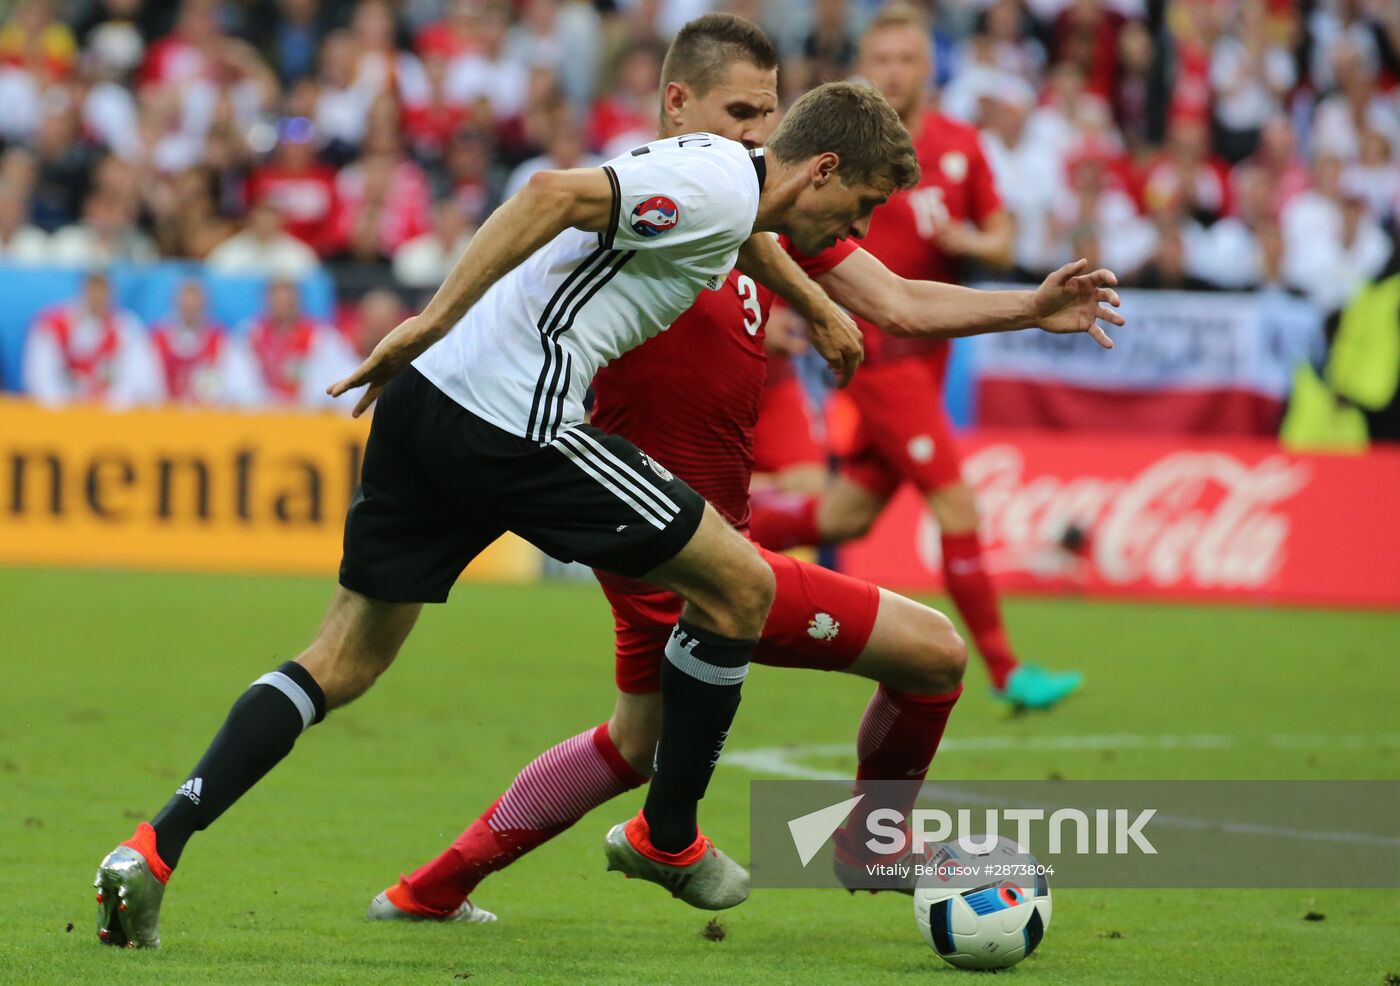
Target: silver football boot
(128, 900)
(712, 883)
(857, 877)
(384, 909)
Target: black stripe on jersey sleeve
(605, 240)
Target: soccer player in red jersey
(689, 398)
(952, 216)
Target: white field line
(786, 761)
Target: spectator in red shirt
(188, 52)
(1187, 172)
(452, 36)
(1086, 33)
(627, 115)
(377, 314)
(303, 189)
(429, 125)
(383, 200)
(1278, 158)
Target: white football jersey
(523, 356)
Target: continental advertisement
(188, 490)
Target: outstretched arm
(1070, 300)
(834, 334)
(551, 202)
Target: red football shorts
(820, 619)
(783, 436)
(904, 432)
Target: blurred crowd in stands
(1225, 144)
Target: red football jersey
(956, 185)
(689, 397)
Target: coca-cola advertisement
(1111, 514)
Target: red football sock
(558, 788)
(780, 521)
(976, 598)
(897, 740)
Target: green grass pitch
(114, 683)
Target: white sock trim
(294, 692)
(711, 674)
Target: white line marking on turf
(788, 761)
(785, 761)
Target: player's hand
(955, 238)
(837, 338)
(394, 352)
(1070, 301)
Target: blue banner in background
(148, 291)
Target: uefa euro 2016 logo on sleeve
(654, 216)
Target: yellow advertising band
(198, 490)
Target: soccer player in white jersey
(485, 434)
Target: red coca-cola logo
(1205, 519)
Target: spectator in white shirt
(200, 361)
(1330, 262)
(1357, 106)
(88, 350)
(1377, 175)
(20, 243)
(381, 65)
(1229, 253)
(1250, 75)
(549, 35)
(1316, 211)
(423, 262)
(565, 150)
(1098, 205)
(492, 74)
(1030, 177)
(264, 248)
(297, 356)
(107, 234)
(342, 100)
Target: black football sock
(700, 682)
(259, 731)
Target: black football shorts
(439, 484)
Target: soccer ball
(983, 909)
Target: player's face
(898, 61)
(741, 107)
(830, 210)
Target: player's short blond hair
(896, 15)
(852, 121)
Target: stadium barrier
(1186, 363)
(1215, 519)
(189, 490)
